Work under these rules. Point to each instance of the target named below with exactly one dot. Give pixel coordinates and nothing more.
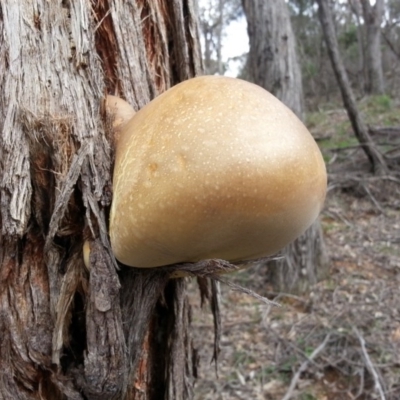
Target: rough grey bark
(375, 158)
(373, 15)
(272, 61)
(304, 263)
(68, 332)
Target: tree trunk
(272, 61)
(304, 263)
(375, 158)
(68, 331)
(372, 19)
(213, 21)
(273, 64)
(356, 10)
(207, 29)
(220, 28)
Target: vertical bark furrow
(183, 33)
(133, 70)
(139, 296)
(71, 282)
(105, 356)
(154, 30)
(15, 185)
(25, 321)
(51, 87)
(106, 45)
(179, 387)
(181, 63)
(193, 38)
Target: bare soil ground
(339, 341)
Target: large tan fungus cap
(213, 168)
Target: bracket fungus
(120, 112)
(215, 167)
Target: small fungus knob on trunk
(215, 167)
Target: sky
(235, 43)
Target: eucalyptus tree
(70, 331)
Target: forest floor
(341, 340)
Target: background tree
(375, 158)
(373, 19)
(272, 60)
(67, 331)
(391, 31)
(272, 64)
(356, 9)
(319, 82)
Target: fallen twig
(370, 365)
(249, 292)
(373, 199)
(303, 367)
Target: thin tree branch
(390, 44)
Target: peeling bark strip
(106, 358)
(67, 332)
(157, 43)
(25, 323)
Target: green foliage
(348, 38)
(342, 129)
(315, 119)
(380, 110)
(374, 105)
(288, 365)
(330, 284)
(266, 373)
(338, 143)
(310, 70)
(243, 276)
(309, 350)
(383, 102)
(242, 358)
